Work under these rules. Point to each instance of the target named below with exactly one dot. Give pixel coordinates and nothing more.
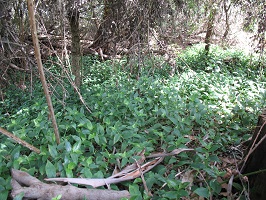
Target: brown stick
(17, 68)
(40, 67)
(20, 141)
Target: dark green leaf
(50, 170)
(4, 195)
(52, 151)
(203, 192)
(117, 138)
(215, 186)
(68, 146)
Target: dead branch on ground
(35, 189)
(20, 141)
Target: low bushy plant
(205, 109)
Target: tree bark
(73, 17)
(35, 189)
(107, 31)
(125, 24)
(210, 27)
(255, 160)
(227, 24)
(262, 29)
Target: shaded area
(256, 160)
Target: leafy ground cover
(211, 105)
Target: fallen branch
(20, 141)
(97, 182)
(17, 68)
(33, 188)
(130, 172)
(172, 153)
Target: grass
(211, 104)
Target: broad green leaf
(215, 186)
(171, 183)
(4, 195)
(52, 151)
(100, 129)
(203, 192)
(50, 170)
(87, 173)
(73, 125)
(214, 147)
(89, 125)
(16, 152)
(71, 165)
(89, 161)
(86, 131)
(68, 146)
(76, 138)
(135, 192)
(76, 146)
(74, 156)
(69, 173)
(96, 138)
(171, 194)
(16, 164)
(214, 158)
(174, 120)
(98, 174)
(103, 140)
(117, 138)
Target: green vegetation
(211, 104)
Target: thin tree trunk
(40, 67)
(262, 29)
(210, 27)
(106, 30)
(227, 24)
(73, 17)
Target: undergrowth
(211, 105)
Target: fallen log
(33, 188)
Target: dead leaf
(222, 182)
(188, 177)
(230, 186)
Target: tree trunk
(255, 161)
(262, 29)
(5, 24)
(227, 24)
(108, 30)
(73, 17)
(210, 26)
(125, 24)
